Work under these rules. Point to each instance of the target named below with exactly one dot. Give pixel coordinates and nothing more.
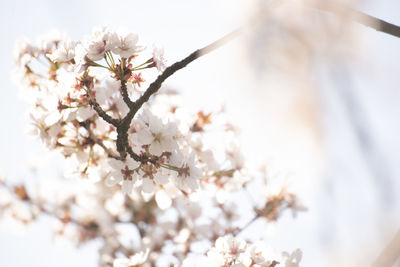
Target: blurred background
(314, 95)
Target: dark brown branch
(122, 140)
(123, 125)
(103, 114)
(133, 154)
(122, 128)
(155, 86)
(124, 92)
(360, 17)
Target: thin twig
(99, 142)
(248, 224)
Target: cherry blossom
(292, 259)
(64, 52)
(159, 136)
(122, 172)
(101, 40)
(126, 45)
(146, 179)
(158, 58)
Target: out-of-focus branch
(360, 17)
(390, 253)
(376, 23)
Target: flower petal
(147, 186)
(144, 136)
(163, 200)
(113, 179)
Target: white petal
(147, 185)
(145, 137)
(155, 124)
(161, 178)
(113, 179)
(192, 183)
(163, 200)
(132, 164)
(156, 148)
(195, 173)
(66, 141)
(127, 186)
(176, 159)
(53, 118)
(84, 113)
(168, 144)
(171, 129)
(116, 164)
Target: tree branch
(123, 126)
(390, 253)
(99, 142)
(360, 17)
(133, 154)
(244, 227)
(124, 92)
(155, 86)
(103, 114)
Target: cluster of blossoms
(228, 251)
(89, 104)
(231, 251)
(76, 94)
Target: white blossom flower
(293, 259)
(158, 58)
(163, 200)
(96, 50)
(102, 39)
(80, 58)
(64, 52)
(24, 52)
(48, 40)
(159, 136)
(255, 255)
(190, 174)
(122, 172)
(230, 247)
(126, 45)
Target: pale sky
(345, 200)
